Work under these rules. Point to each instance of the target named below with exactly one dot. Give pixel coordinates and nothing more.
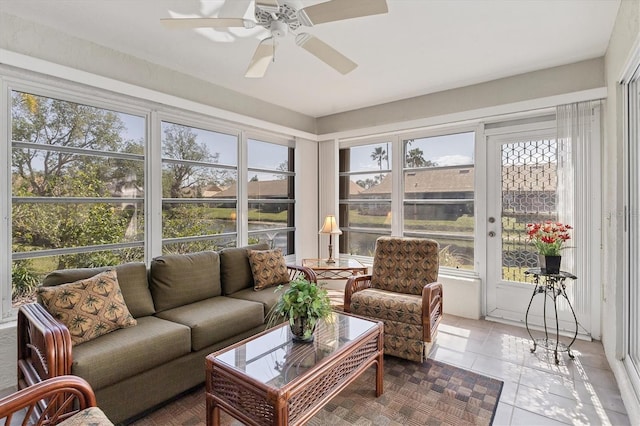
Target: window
(77, 186)
(365, 196)
(77, 183)
(199, 189)
(271, 195)
(631, 308)
(439, 194)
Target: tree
(283, 167)
(380, 155)
(415, 158)
(181, 143)
(44, 167)
(368, 182)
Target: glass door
(522, 188)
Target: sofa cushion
(89, 308)
(130, 351)
(268, 268)
(179, 279)
(235, 271)
(213, 320)
(132, 278)
(268, 297)
(92, 416)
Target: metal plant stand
(553, 286)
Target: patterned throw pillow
(268, 268)
(90, 307)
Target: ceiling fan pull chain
(273, 59)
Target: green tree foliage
(379, 155)
(184, 178)
(49, 170)
(23, 278)
(368, 182)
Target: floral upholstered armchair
(402, 292)
(62, 400)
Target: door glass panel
(529, 181)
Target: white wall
(462, 297)
(474, 100)
(8, 355)
(626, 33)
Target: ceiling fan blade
(337, 10)
(261, 59)
(325, 53)
(187, 23)
(270, 6)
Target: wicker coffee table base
(254, 403)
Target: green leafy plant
(24, 280)
(303, 299)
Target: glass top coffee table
(269, 379)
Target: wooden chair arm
(432, 310)
(50, 401)
(354, 284)
(44, 346)
(295, 271)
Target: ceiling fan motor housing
(280, 21)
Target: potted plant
(548, 237)
(302, 305)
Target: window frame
(193, 121)
(628, 336)
(432, 133)
(392, 141)
(396, 140)
(288, 143)
(153, 113)
(66, 92)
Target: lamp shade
(330, 226)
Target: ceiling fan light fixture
(279, 29)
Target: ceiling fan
(280, 17)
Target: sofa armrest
(353, 285)
(431, 310)
(296, 271)
(50, 401)
(44, 346)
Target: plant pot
(549, 264)
(299, 327)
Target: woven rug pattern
(431, 393)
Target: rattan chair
(402, 292)
(62, 400)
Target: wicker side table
(340, 270)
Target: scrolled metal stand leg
(555, 308)
(526, 318)
(575, 319)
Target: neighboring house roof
(461, 179)
(449, 179)
(258, 189)
(211, 190)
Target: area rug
(431, 393)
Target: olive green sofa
(185, 306)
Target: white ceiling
(419, 47)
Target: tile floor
(536, 391)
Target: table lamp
(330, 227)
